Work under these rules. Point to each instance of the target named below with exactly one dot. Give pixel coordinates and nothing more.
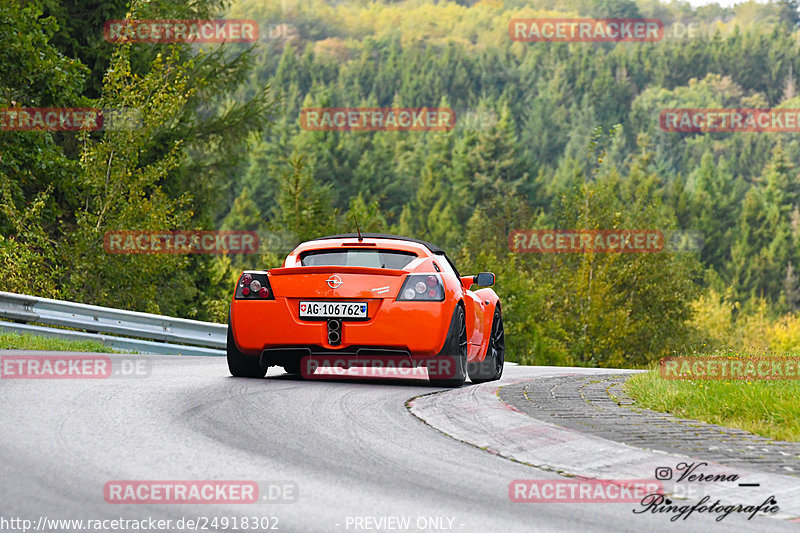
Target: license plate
(333, 309)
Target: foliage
(568, 138)
(766, 408)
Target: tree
(303, 208)
(244, 215)
(36, 177)
(765, 240)
(791, 289)
(621, 306)
(121, 190)
(487, 170)
(714, 211)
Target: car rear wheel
(491, 368)
(242, 365)
(449, 369)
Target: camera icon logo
(663, 473)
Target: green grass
(767, 408)
(14, 341)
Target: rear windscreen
(361, 258)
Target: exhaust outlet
(334, 332)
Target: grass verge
(770, 408)
(15, 341)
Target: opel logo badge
(334, 281)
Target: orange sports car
(360, 299)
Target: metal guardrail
(129, 330)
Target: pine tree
(303, 208)
(766, 241)
(487, 171)
(714, 211)
(244, 215)
(791, 289)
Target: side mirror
(484, 279)
(466, 282)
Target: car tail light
(254, 286)
(422, 288)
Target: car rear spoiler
(283, 271)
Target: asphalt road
(351, 448)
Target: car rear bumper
(418, 328)
(284, 354)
